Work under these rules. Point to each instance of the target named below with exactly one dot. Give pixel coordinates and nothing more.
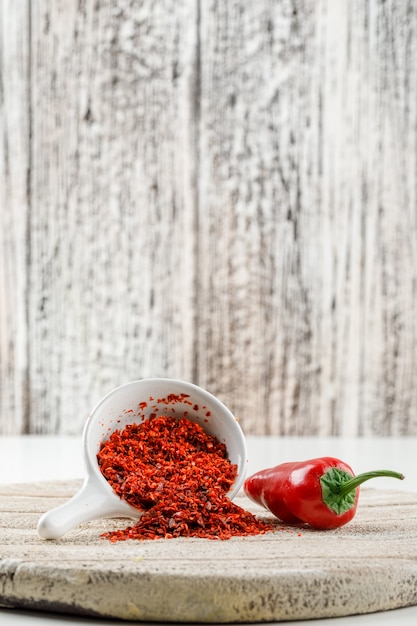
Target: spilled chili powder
(178, 475)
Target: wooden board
(294, 573)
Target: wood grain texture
(292, 573)
(221, 192)
(309, 161)
(15, 164)
(110, 283)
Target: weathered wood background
(223, 192)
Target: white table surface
(37, 458)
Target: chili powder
(178, 475)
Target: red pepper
(320, 492)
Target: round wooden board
(294, 573)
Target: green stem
(354, 482)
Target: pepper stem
(355, 481)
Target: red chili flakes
(173, 398)
(179, 476)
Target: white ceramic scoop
(133, 403)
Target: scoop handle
(87, 504)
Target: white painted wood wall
(220, 191)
